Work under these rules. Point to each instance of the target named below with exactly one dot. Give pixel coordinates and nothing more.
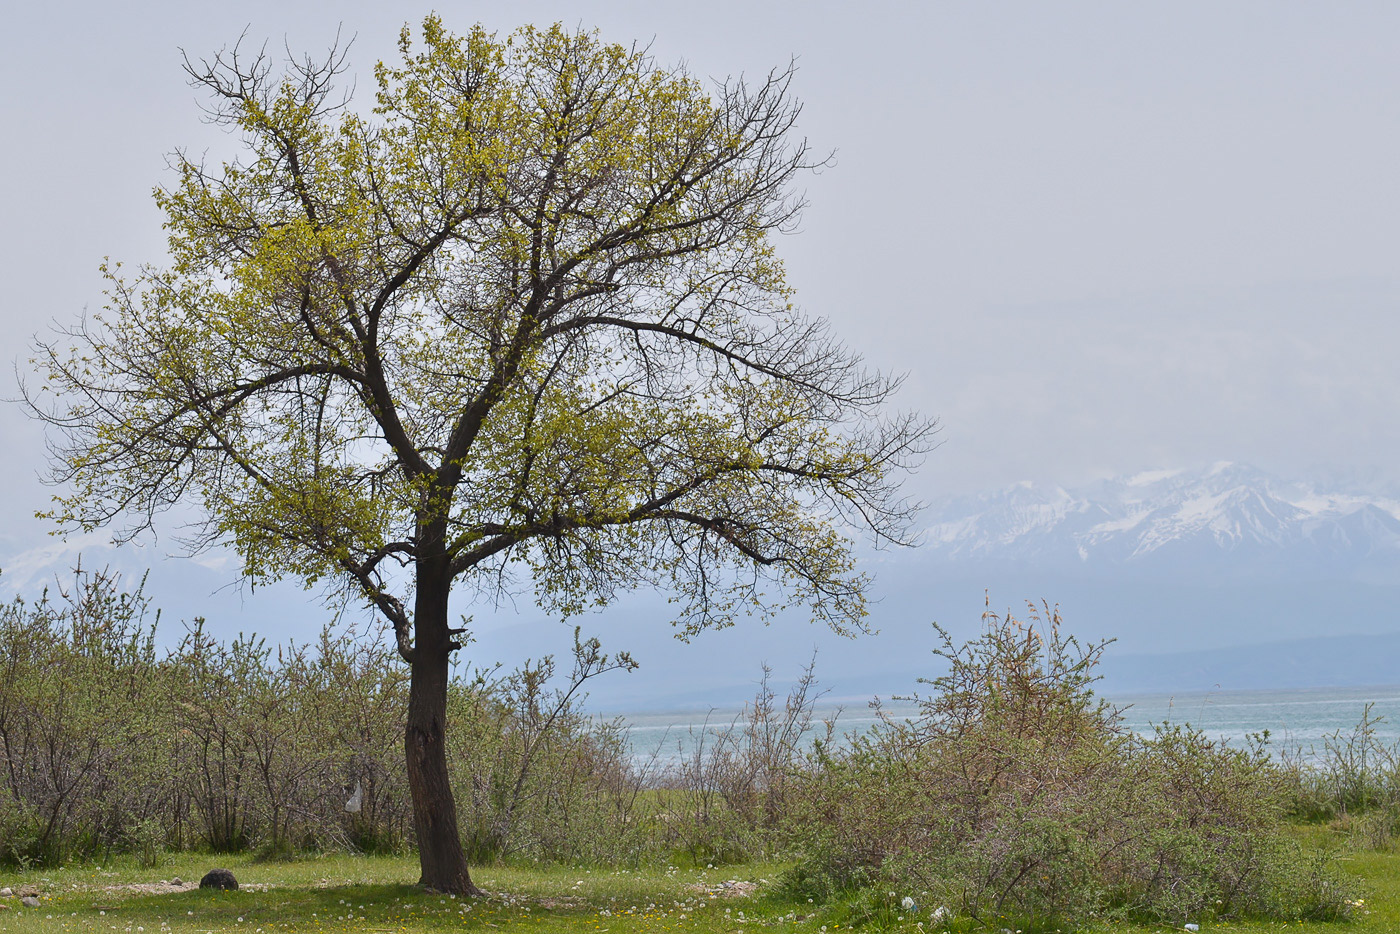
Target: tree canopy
(523, 321)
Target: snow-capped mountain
(1228, 518)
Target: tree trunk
(434, 810)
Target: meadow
(1013, 799)
(343, 893)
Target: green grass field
(373, 894)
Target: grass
(343, 893)
(377, 894)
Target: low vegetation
(1014, 799)
(342, 893)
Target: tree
(522, 322)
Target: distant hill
(1327, 661)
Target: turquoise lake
(1299, 720)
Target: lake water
(1299, 719)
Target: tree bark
(440, 852)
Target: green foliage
(1352, 784)
(318, 894)
(146, 840)
(237, 747)
(527, 299)
(1016, 792)
(79, 699)
(520, 322)
(539, 780)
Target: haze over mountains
(1219, 577)
(1223, 576)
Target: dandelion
(907, 903)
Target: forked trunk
(434, 810)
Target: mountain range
(1226, 521)
(1217, 577)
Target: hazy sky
(1098, 237)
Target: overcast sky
(1098, 237)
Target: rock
(29, 901)
(6, 892)
(176, 881)
(218, 879)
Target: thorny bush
(1015, 791)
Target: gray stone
(6, 892)
(218, 879)
(29, 901)
(176, 881)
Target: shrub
(537, 778)
(1017, 792)
(236, 746)
(1354, 781)
(728, 794)
(79, 720)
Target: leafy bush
(79, 704)
(1014, 792)
(237, 746)
(1017, 792)
(537, 778)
